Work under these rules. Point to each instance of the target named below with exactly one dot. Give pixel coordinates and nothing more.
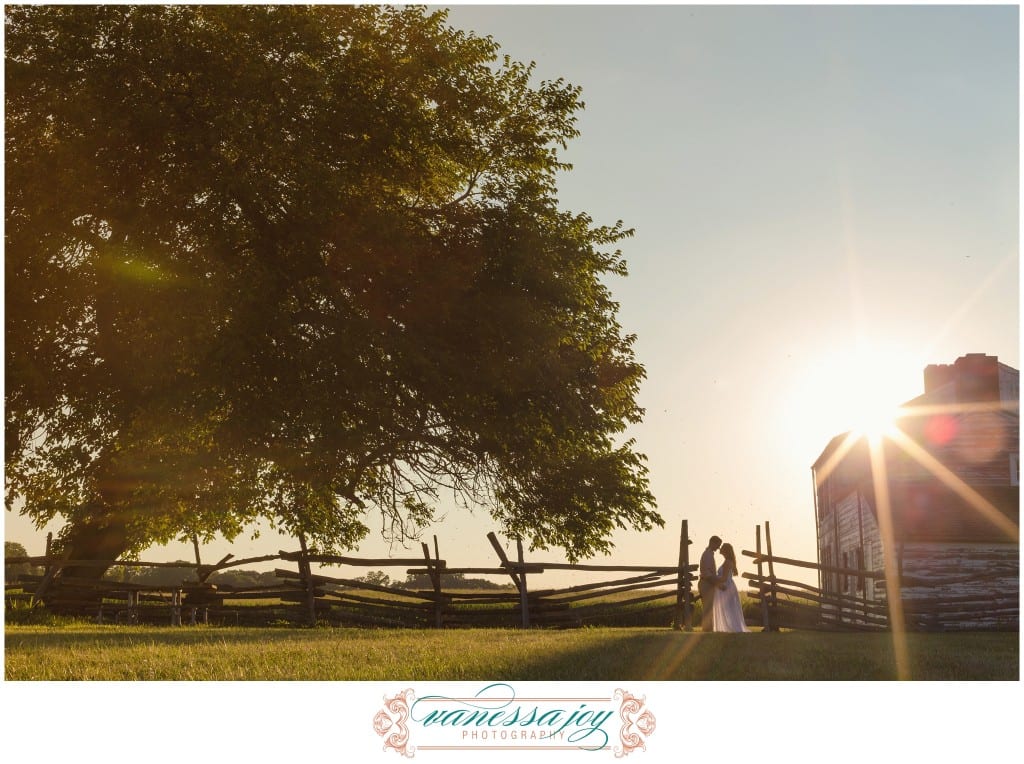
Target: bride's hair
(730, 555)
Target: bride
(726, 613)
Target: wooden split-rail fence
(925, 604)
(646, 595)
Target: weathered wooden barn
(951, 472)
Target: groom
(708, 582)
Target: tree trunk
(86, 542)
(92, 542)
(100, 535)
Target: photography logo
(495, 719)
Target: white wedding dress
(726, 613)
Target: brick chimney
(937, 375)
(977, 377)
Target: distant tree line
(13, 571)
(422, 581)
(187, 573)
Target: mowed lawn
(92, 652)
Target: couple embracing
(718, 592)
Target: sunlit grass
(89, 652)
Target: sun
(871, 410)
(855, 390)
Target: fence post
(176, 608)
(765, 624)
(439, 608)
(771, 566)
(306, 576)
(199, 562)
(52, 570)
(861, 588)
(504, 562)
(199, 577)
(683, 607)
(433, 570)
(524, 600)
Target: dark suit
(707, 585)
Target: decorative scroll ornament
(390, 721)
(636, 726)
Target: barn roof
(831, 448)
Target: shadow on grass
(793, 656)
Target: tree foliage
(304, 264)
(450, 581)
(376, 577)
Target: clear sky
(825, 201)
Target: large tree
(304, 264)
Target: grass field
(91, 652)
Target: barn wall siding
(851, 527)
(979, 454)
(988, 569)
(983, 572)
(988, 574)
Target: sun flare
(858, 390)
(872, 415)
